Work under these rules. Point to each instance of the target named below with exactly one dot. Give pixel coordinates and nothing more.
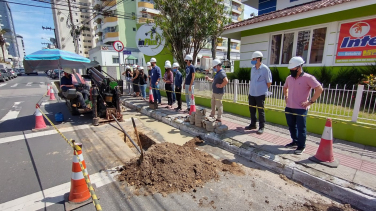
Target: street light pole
(49, 28)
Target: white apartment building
(82, 16)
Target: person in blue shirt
(189, 80)
(261, 79)
(178, 84)
(156, 76)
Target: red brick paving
(345, 160)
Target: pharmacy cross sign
(118, 46)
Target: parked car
(11, 76)
(20, 71)
(34, 72)
(5, 75)
(2, 75)
(55, 73)
(14, 73)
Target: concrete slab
(365, 179)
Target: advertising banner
(357, 42)
(149, 39)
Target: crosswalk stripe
(29, 83)
(13, 113)
(14, 85)
(2, 85)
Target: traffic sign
(118, 46)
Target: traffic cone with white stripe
(193, 105)
(52, 94)
(324, 154)
(151, 98)
(48, 90)
(79, 194)
(39, 120)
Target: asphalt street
(36, 166)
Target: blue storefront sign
(127, 52)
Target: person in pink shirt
(296, 90)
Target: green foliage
(243, 74)
(231, 76)
(347, 77)
(199, 76)
(188, 25)
(275, 76)
(324, 75)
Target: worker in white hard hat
(135, 81)
(168, 79)
(128, 79)
(148, 67)
(260, 81)
(297, 90)
(178, 81)
(189, 79)
(220, 80)
(156, 75)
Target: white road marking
(29, 83)
(14, 85)
(2, 85)
(13, 113)
(55, 194)
(42, 133)
(44, 103)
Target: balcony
(110, 19)
(146, 5)
(109, 3)
(235, 9)
(236, 2)
(109, 22)
(111, 37)
(148, 10)
(144, 20)
(98, 28)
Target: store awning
(131, 57)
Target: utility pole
(73, 28)
(49, 28)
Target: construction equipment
(105, 95)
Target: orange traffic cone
(193, 106)
(39, 120)
(151, 98)
(48, 90)
(52, 94)
(79, 194)
(324, 154)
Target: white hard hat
(188, 57)
(148, 64)
(153, 60)
(216, 62)
(141, 68)
(134, 66)
(127, 67)
(68, 70)
(175, 65)
(295, 61)
(257, 54)
(167, 62)
(167, 65)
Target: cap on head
(68, 70)
(295, 61)
(188, 57)
(148, 64)
(175, 65)
(153, 60)
(257, 54)
(216, 62)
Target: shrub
(348, 76)
(324, 75)
(199, 75)
(275, 75)
(231, 76)
(244, 74)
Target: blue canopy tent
(49, 59)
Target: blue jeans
(143, 90)
(297, 125)
(188, 95)
(173, 94)
(156, 93)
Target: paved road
(36, 166)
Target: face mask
(174, 70)
(294, 73)
(254, 62)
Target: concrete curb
(347, 192)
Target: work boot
(250, 127)
(291, 145)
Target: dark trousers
(297, 125)
(258, 101)
(168, 88)
(178, 96)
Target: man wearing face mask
(178, 84)
(156, 75)
(296, 90)
(189, 80)
(261, 79)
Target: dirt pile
(168, 167)
(316, 206)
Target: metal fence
(356, 104)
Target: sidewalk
(357, 170)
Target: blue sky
(248, 10)
(28, 22)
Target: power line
(65, 5)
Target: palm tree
(2, 41)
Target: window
(134, 29)
(309, 44)
(115, 60)
(144, 15)
(95, 58)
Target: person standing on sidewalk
(156, 75)
(143, 80)
(189, 80)
(168, 79)
(135, 81)
(148, 66)
(178, 84)
(260, 81)
(128, 78)
(219, 82)
(296, 90)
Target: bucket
(59, 117)
(108, 97)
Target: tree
(2, 41)
(188, 25)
